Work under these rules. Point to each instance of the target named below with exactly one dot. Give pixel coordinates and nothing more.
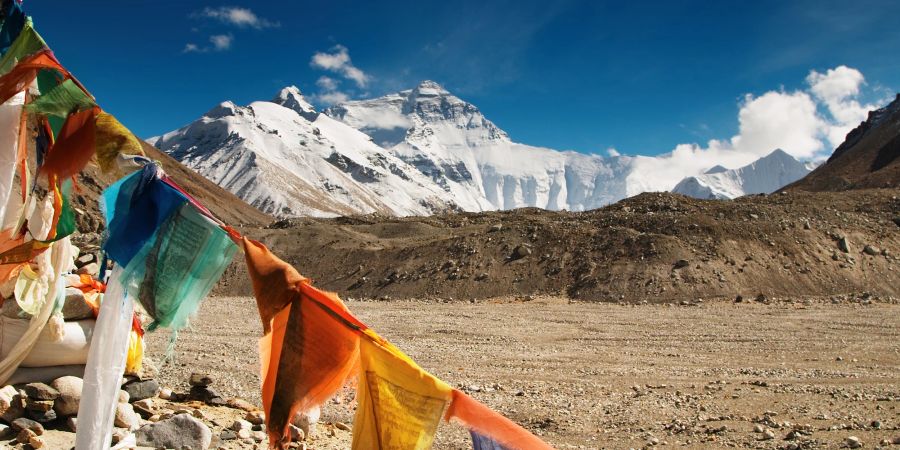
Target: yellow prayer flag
(113, 139)
(400, 405)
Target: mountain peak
(431, 86)
(291, 98)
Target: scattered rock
(25, 436)
(40, 391)
(853, 442)
(521, 251)
(88, 269)
(141, 389)
(38, 405)
(74, 307)
(126, 417)
(206, 395)
(681, 263)
(11, 405)
(871, 251)
(72, 424)
(296, 433)
(179, 431)
(200, 379)
(146, 403)
(6, 431)
(27, 424)
(227, 435)
(307, 421)
(844, 244)
(165, 393)
(239, 425)
(69, 389)
(85, 258)
(241, 404)
(768, 435)
(499, 226)
(255, 417)
(42, 416)
(342, 426)
(124, 397)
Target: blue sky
(640, 77)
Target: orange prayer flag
(24, 73)
(74, 146)
(311, 343)
(489, 423)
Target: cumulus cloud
(612, 152)
(239, 17)
(332, 97)
(806, 123)
(327, 83)
(221, 42)
(337, 60)
(837, 89)
(192, 48)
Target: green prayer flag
(60, 101)
(28, 42)
(177, 268)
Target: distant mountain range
(763, 176)
(417, 152)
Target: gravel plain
(806, 373)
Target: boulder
(88, 269)
(12, 405)
(40, 391)
(69, 389)
(27, 424)
(200, 379)
(307, 421)
(141, 389)
(179, 431)
(75, 308)
(42, 416)
(126, 417)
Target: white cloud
(327, 83)
(793, 121)
(383, 119)
(612, 152)
(191, 48)
(338, 61)
(332, 97)
(838, 88)
(239, 17)
(221, 42)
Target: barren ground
(599, 375)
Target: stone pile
(158, 417)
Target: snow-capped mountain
(763, 176)
(287, 160)
(418, 151)
(474, 161)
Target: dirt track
(608, 376)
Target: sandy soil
(586, 375)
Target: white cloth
(10, 117)
(105, 367)
(51, 263)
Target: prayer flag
(310, 346)
(400, 405)
(488, 424)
